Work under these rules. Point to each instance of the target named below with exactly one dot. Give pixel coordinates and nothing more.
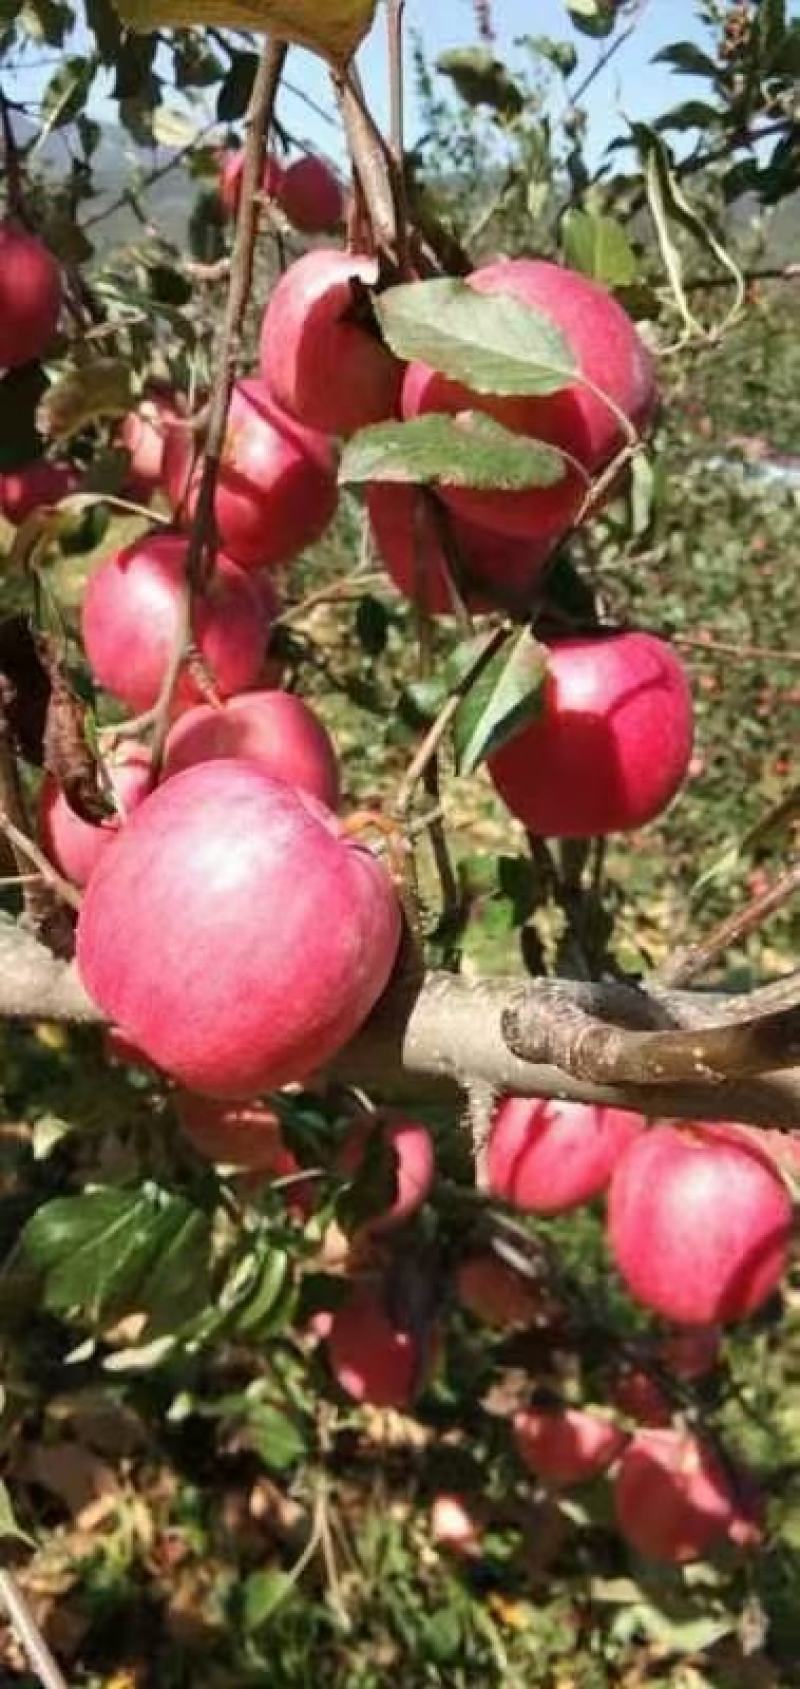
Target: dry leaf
(333, 28)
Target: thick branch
(443, 1034)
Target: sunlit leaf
(504, 699)
(599, 247)
(491, 342)
(481, 79)
(469, 451)
(99, 388)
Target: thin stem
(769, 653)
(14, 193)
(29, 1634)
(26, 851)
(692, 960)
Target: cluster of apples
(306, 191)
(699, 1228)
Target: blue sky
(632, 84)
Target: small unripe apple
(229, 182)
(497, 569)
(548, 1157)
(319, 362)
(131, 616)
(276, 489)
(608, 353)
(672, 1496)
(372, 1360)
(236, 933)
(275, 729)
(75, 846)
(30, 295)
(565, 1446)
(699, 1223)
(144, 433)
(24, 490)
(492, 1291)
(611, 743)
(412, 1149)
(311, 197)
(242, 1135)
(454, 1526)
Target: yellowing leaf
(331, 27)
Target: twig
(395, 18)
(436, 732)
(769, 653)
(29, 1634)
(265, 88)
(373, 164)
(692, 960)
(26, 851)
(605, 58)
(350, 586)
(13, 174)
(149, 181)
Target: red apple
(414, 1165)
(30, 295)
(611, 744)
(493, 1292)
(75, 846)
(496, 568)
(372, 1360)
(229, 184)
(454, 1526)
(699, 1223)
(311, 197)
(319, 362)
(564, 1446)
(144, 435)
(274, 729)
(608, 353)
(131, 616)
(672, 1496)
(276, 490)
(24, 490)
(241, 1135)
(548, 1157)
(236, 933)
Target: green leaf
(277, 1439)
(592, 17)
(599, 247)
(669, 205)
(691, 114)
(66, 94)
(104, 25)
(492, 343)
(99, 388)
(263, 1593)
(686, 58)
(331, 27)
(102, 1253)
(173, 128)
(481, 79)
(178, 1286)
(47, 21)
(372, 625)
(268, 1294)
(234, 95)
(436, 450)
(505, 698)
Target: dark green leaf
(505, 698)
(234, 95)
(48, 21)
(105, 27)
(372, 625)
(785, 59)
(692, 114)
(562, 54)
(178, 1285)
(100, 1253)
(592, 17)
(687, 58)
(491, 342)
(436, 450)
(421, 700)
(599, 246)
(481, 79)
(260, 1291)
